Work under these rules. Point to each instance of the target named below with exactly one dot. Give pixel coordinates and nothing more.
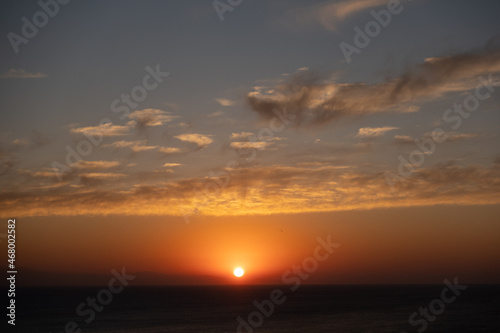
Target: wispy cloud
(242, 135)
(249, 144)
(454, 136)
(169, 150)
(104, 130)
(102, 175)
(314, 102)
(200, 139)
(151, 117)
(225, 102)
(328, 14)
(371, 132)
(135, 146)
(19, 142)
(446, 136)
(95, 164)
(404, 139)
(22, 74)
(39, 173)
(215, 114)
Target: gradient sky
(200, 176)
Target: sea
(221, 309)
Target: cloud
(370, 132)
(216, 114)
(259, 190)
(200, 139)
(135, 146)
(39, 174)
(225, 102)
(104, 130)
(169, 165)
(151, 117)
(169, 150)
(250, 141)
(102, 175)
(95, 164)
(328, 14)
(450, 137)
(454, 136)
(38, 139)
(312, 101)
(242, 135)
(252, 145)
(19, 142)
(403, 139)
(22, 74)
(98, 178)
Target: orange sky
(397, 245)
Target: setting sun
(238, 272)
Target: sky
(187, 138)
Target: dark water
(216, 308)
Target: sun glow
(238, 272)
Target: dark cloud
(314, 101)
(38, 139)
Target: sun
(238, 272)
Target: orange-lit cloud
(151, 117)
(105, 130)
(250, 145)
(199, 139)
(225, 102)
(135, 146)
(95, 164)
(169, 150)
(450, 137)
(242, 135)
(370, 132)
(264, 190)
